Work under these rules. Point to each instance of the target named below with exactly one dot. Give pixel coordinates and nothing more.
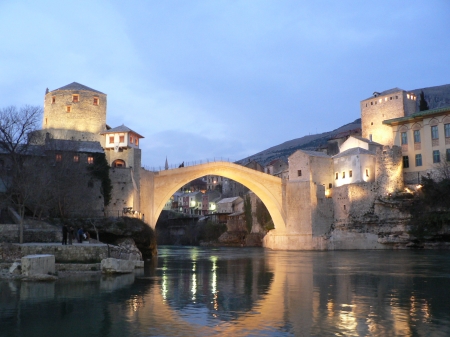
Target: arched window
(118, 163)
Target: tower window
(350, 173)
(343, 175)
(53, 99)
(367, 172)
(75, 98)
(95, 101)
(68, 108)
(90, 160)
(337, 176)
(76, 158)
(299, 173)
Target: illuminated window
(58, 157)
(111, 139)
(118, 163)
(337, 176)
(407, 96)
(350, 173)
(121, 139)
(53, 99)
(436, 156)
(418, 159)
(90, 160)
(405, 161)
(404, 138)
(299, 173)
(434, 132)
(75, 98)
(76, 158)
(68, 108)
(136, 141)
(416, 136)
(95, 100)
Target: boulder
(16, 268)
(42, 264)
(112, 266)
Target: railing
(186, 163)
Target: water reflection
(242, 292)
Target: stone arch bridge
(291, 232)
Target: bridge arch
(158, 187)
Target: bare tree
(16, 136)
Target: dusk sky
(205, 79)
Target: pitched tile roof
(417, 115)
(353, 151)
(121, 128)
(77, 86)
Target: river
(193, 291)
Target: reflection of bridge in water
(270, 306)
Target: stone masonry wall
(84, 115)
(377, 109)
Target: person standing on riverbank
(70, 235)
(80, 234)
(64, 234)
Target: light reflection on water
(192, 291)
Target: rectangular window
(121, 139)
(343, 175)
(111, 139)
(131, 140)
(337, 176)
(350, 173)
(95, 100)
(416, 136)
(418, 159)
(405, 161)
(404, 138)
(434, 132)
(367, 172)
(447, 130)
(330, 185)
(299, 173)
(136, 142)
(58, 157)
(436, 156)
(76, 158)
(447, 154)
(90, 160)
(68, 108)
(75, 98)
(53, 99)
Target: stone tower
(393, 103)
(75, 112)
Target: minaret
(167, 165)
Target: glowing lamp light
(419, 186)
(327, 193)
